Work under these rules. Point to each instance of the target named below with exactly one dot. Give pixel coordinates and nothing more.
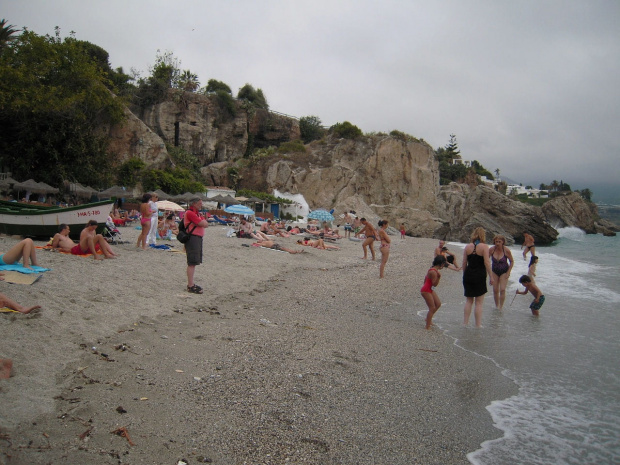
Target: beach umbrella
(168, 205)
(228, 200)
(7, 182)
(48, 189)
(321, 215)
(114, 191)
(162, 195)
(217, 198)
(239, 210)
(201, 195)
(30, 185)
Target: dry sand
(305, 358)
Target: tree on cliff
(54, 96)
(253, 96)
(310, 128)
(346, 130)
(188, 81)
(214, 86)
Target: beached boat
(31, 220)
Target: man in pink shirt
(195, 225)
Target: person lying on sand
(274, 246)
(317, 244)
(89, 241)
(24, 250)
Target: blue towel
(22, 269)
(161, 246)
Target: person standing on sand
(528, 245)
(24, 250)
(371, 236)
(145, 221)
(476, 267)
(151, 238)
(385, 246)
(193, 247)
(431, 281)
(357, 226)
(403, 231)
(348, 220)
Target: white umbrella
(168, 205)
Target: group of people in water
(479, 261)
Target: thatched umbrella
(30, 185)
(7, 182)
(162, 195)
(114, 191)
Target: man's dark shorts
(536, 306)
(193, 249)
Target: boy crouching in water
(539, 298)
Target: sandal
(195, 289)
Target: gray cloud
(528, 87)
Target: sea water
(566, 362)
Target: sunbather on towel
(89, 241)
(317, 244)
(274, 246)
(24, 250)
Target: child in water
(431, 281)
(539, 298)
(531, 269)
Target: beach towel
(7, 310)
(22, 269)
(160, 246)
(14, 277)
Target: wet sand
(306, 358)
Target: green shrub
(346, 130)
(292, 146)
(403, 136)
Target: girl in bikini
(385, 245)
(145, 221)
(431, 281)
(501, 266)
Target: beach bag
(184, 235)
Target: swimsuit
(536, 306)
(428, 282)
(384, 245)
(474, 278)
(499, 267)
(2, 261)
(143, 221)
(77, 250)
(276, 247)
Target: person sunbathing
(8, 303)
(89, 242)
(317, 244)
(273, 245)
(247, 230)
(24, 250)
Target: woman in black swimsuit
(501, 266)
(476, 266)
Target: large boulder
(463, 208)
(571, 210)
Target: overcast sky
(529, 87)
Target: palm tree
(497, 173)
(188, 81)
(7, 33)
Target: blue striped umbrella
(321, 215)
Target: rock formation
(378, 176)
(573, 210)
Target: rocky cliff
(573, 210)
(377, 176)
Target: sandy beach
(300, 359)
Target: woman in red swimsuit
(431, 281)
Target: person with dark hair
(151, 237)
(528, 245)
(145, 220)
(371, 236)
(531, 268)
(384, 248)
(195, 225)
(431, 281)
(90, 242)
(539, 298)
